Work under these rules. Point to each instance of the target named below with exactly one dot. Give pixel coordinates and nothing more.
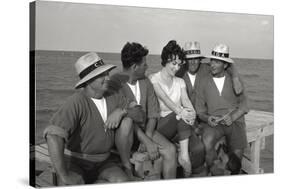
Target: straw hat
(221, 52)
(192, 50)
(89, 66)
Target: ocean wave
(250, 75)
(55, 91)
(264, 101)
(46, 111)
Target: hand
(188, 115)
(142, 148)
(113, 120)
(227, 120)
(212, 121)
(72, 178)
(152, 150)
(136, 113)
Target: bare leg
(184, 159)
(168, 152)
(124, 141)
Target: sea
(55, 78)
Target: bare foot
(186, 165)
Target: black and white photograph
(124, 94)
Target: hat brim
(229, 60)
(94, 73)
(194, 56)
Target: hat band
(222, 55)
(192, 52)
(91, 68)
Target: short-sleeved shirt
(148, 99)
(80, 123)
(174, 92)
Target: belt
(88, 157)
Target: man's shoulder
(76, 97)
(116, 81)
(145, 80)
(75, 101)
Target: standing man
(135, 86)
(85, 127)
(221, 108)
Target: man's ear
(225, 65)
(134, 67)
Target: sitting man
(135, 86)
(221, 109)
(193, 70)
(85, 126)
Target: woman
(177, 113)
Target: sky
(105, 28)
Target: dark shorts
(169, 127)
(235, 134)
(90, 171)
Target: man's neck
(93, 94)
(192, 73)
(132, 79)
(219, 75)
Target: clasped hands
(225, 120)
(188, 115)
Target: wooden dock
(259, 125)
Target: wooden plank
(42, 182)
(259, 124)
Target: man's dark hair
(233, 164)
(170, 51)
(132, 53)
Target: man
(85, 127)
(221, 109)
(135, 86)
(194, 69)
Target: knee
(209, 141)
(126, 125)
(119, 179)
(169, 152)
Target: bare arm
(185, 100)
(236, 80)
(165, 98)
(56, 151)
(150, 127)
(150, 146)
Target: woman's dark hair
(132, 53)
(169, 52)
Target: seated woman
(177, 113)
